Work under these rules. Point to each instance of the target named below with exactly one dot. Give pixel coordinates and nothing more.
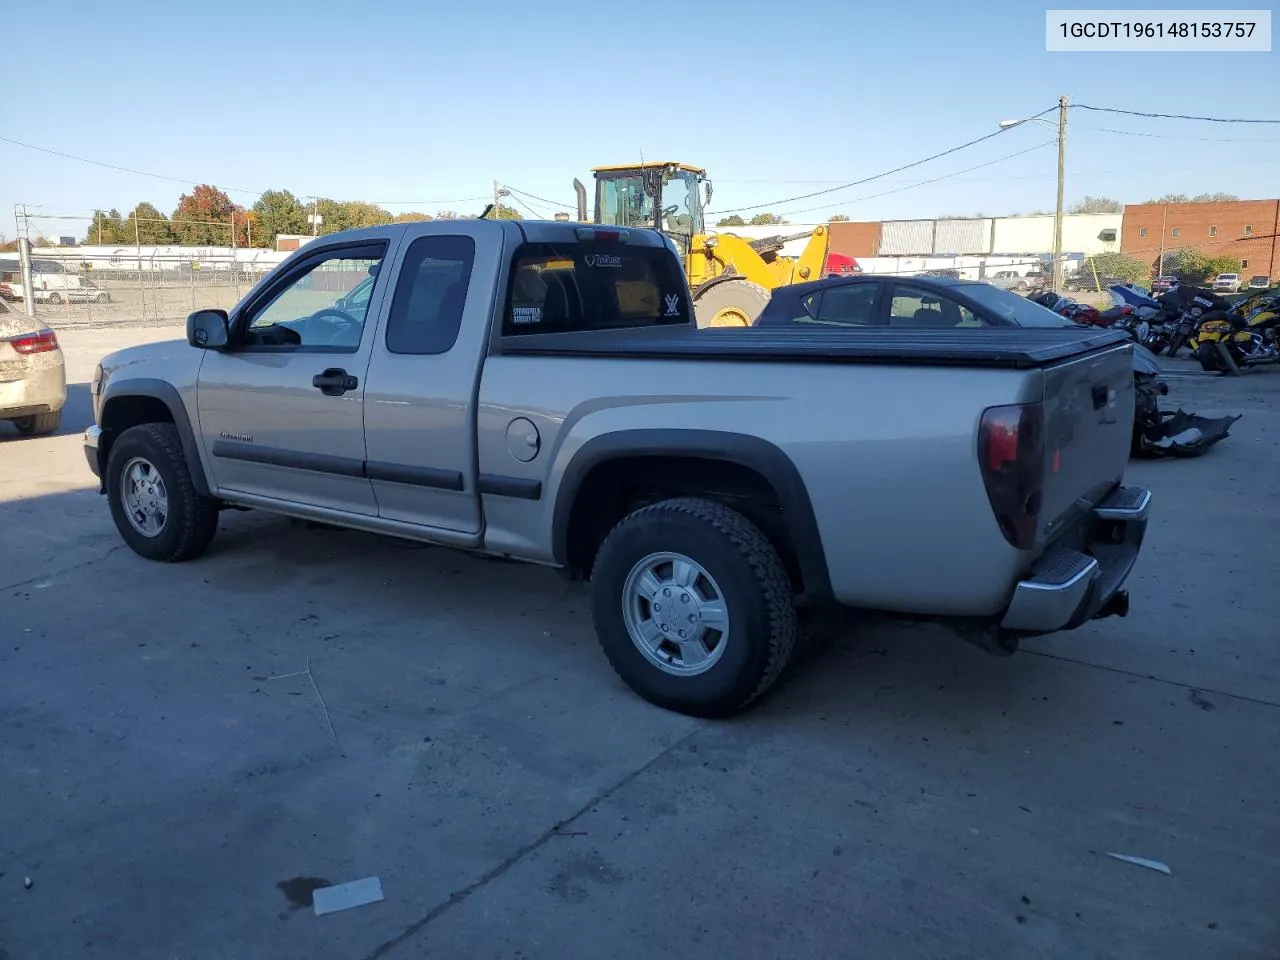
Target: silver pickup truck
(539, 391)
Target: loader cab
(661, 196)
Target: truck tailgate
(1088, 417)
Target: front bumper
(1081, 577)
(92, 443)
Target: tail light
(36, 342)
(1011, 451)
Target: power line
(878, 176)
(534, 196)
(113, 166)
(921, 183)
(534, 213)
(1186, 139)
(1167, 116)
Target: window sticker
(526, 315)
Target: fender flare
(760, 455)
(167, 394)
(706, 285)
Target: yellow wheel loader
(731, 277)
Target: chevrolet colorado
(540, 391)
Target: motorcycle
(1242, 339)
(1184, 307)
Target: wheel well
(615, 488)
(121, 413)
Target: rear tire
(40, 424)
(55, 299)
(732, 576)
(188, 521)
(733, 303)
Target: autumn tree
(411, 217)
(766, 219)
(733, 220)
(204, 217)
(839, 218)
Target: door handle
(334, 382)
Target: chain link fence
(73, 289)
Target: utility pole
(24, 257)
(1057, 213)
(315, 216)
(137, 243)
(497, 193)
(1164, 220)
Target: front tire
(152, 496)
(732, 303)
(1210, 360)
(40, 424)
(693, 607)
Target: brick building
(1240, 228)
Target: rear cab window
(576, 287)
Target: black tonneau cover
(1015, 347)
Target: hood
(176, 360)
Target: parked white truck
(539, 391)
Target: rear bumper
(1082, 579)
(40, 391)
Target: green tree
(411, 217)
(277, 212)
(1092, 204)
(153, 226)
(503, 212)
(839, 218)
(733, 220)
(766, 219)
(1194, 266)
(1130, 269)
(107, 228)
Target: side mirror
(707, 184)
(207, 329)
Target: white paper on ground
(344, 896)
(1142, 862)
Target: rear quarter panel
(888, 455)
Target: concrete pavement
(901, 795)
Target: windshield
(1012, 308)
(624, 201)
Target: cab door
(282, 409)
(420, 410)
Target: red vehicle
(841, 265)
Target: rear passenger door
(917, 307)
(420, 416)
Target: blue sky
(429, 103)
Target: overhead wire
(534, 196)
(921, 183)
(886, 173)
(1169, 116)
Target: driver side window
(323, 308)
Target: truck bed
(1012, 347)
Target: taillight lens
(1011, 451)
(36, 342)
